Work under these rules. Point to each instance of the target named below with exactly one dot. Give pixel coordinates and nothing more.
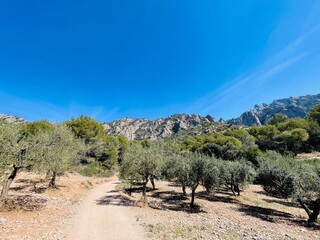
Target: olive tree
(307, 189)
(275, 174)
(17, 151)
(177, 168)
(194, 169)
(287, 177)
(59, 150)
(235, 174)
(142, 162)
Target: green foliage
(36, 127)
(123, 141)
(275, 174)
(252, 155)
(292, 124)
(313, 143)
(287, 177)
(307, 177)
(211, 175)
(307, 188)
(276, 181)
(236, 172)
(140, 162)
(87, 129)
(16, 149)
(217, 145)
(93, 169)
(100, 147)
(237, 133)
(314, 114)
(291, 140)
(59, 150)
(112, 158)
(227, 151)
(277, 119)
(265, 136)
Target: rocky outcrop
(142, 128)
(12, 119)
(292, 107)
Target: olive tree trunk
(312, 214)
(152, 182)
(144, 192)
(193, 191)
(184, 192)
(9, 180)
(52, 182)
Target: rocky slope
(142, 128)
(12, 119)
(292, 107)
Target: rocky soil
(253, 215)
(35, 212)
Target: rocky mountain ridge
(193, 124)
(12, 119)
(292, 107)
(141, 128)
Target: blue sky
(118, 58)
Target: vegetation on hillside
(226, 157)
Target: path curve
(104, 215)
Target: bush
(93, 169)
(276, 181)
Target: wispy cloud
(241, 86)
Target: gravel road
(104, 215)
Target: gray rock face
(12, 119)
(142, 128)
(292, 107)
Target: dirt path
(104, 215)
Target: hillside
(292, 107)
(141, 128)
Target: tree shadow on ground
(174, 184)
(174, 201)
(281, 202)
(263, 213)
(274, 216)
(114, 198)
(269, 194)
(266, 214)
(32, 185)
(213, 197)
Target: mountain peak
(12, 118)
(292, 107)
(141, 128)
